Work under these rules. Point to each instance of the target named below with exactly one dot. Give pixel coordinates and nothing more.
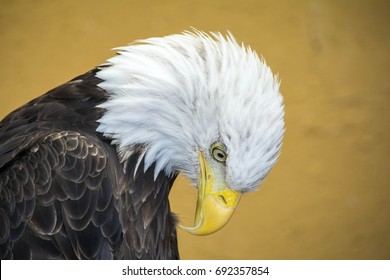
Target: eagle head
(199, 104)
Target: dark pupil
(220, 155)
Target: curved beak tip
(216, 201)
(214, 213)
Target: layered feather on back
(63, 191)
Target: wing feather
(61, 191)
(64, 193)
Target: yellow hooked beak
(216, 202)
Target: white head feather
(177, 95)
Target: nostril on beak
(223, 199)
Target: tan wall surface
(329, 195)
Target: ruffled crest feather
(179, 94)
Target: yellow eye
(218, 152)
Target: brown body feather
(64, 193)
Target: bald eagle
(86, 169)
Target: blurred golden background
(328, 197)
